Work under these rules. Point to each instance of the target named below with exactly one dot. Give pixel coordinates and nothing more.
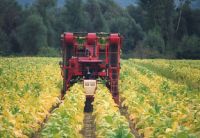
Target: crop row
(187, 72)
(29, 87)
(159, 107)
(109, 122)
(67, 120)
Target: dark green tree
(32, 35)
(9, 20)
(44, 7)
(98, 22)
(154, 41)
(75, 15)
(160, 13)
(110, 9)
(5, 45)
(189, 48)
(47, 9)
(187, 21)
(138, 14)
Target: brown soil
(37, 133)
(89, 126)
(123, 111)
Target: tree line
(151, 29)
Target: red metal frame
(82, 57)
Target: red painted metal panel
(91, 38)
(86, 58)
(114, 39)
(69, 38)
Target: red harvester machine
(88, 57)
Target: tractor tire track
(54, 107)
(124, 112)
(88, 130)
(89, 127)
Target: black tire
(88, 105)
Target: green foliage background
(151, 29)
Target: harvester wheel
(88, 105)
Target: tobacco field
(161, 98)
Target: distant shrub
(48, 52)
(154, 41)
(189, 48)
(153, 46)
(4, 44)
(142, 52)
(32, 35)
